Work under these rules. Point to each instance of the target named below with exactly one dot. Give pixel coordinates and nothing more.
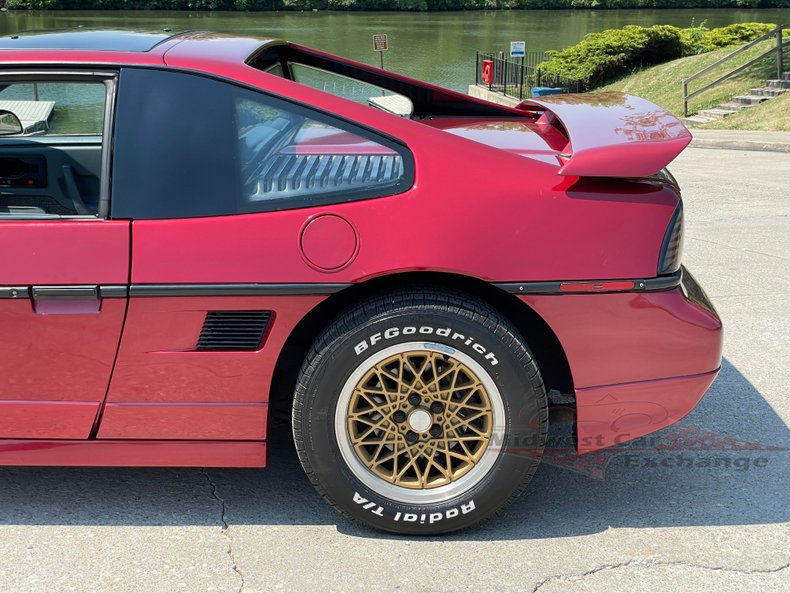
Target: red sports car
(199, 229)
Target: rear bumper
(614, 414)
(640, 361)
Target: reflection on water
(79, 107)
(438, 47)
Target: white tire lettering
(490, 356)
(431, 518)
(445, 332)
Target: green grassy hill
(661, 84)
(773, 115)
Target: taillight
(672, 247)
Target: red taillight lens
(672, 247)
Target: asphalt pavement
(702, 507)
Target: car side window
(349, 88)
(286, 155)
(191, 146)
(51, 146)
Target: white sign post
(518, 49)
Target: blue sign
(518, 49)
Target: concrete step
(748, 99)
(696, 120)
(717, 112)
(733, 106)
(778, 84)
(767, 92)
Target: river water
(438, 47)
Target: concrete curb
(744, 144)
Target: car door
(64, 267)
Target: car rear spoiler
(611, 134)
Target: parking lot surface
(703, 506)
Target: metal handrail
(779, 65)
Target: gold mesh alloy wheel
(419, 419)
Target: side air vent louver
(233, 331)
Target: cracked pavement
(642, 527)
(225, 527)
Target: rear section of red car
(642, 350)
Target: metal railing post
(685, 92)
(779, 58)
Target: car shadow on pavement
(725, 464)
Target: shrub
(736, 34)
(601, 57)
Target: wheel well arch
(543, 342)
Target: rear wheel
(420, 412)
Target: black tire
(510, 379)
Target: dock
(395, 104)
(34, 115)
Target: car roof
(103, 40)
(194, 49)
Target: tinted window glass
(175, 147)
(190, 146)
(287, 157)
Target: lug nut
(437, 407)
(399, 416)
(415, 399)
(436, 430)
(411, 437)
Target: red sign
(488, 71)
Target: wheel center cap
(419, 420)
